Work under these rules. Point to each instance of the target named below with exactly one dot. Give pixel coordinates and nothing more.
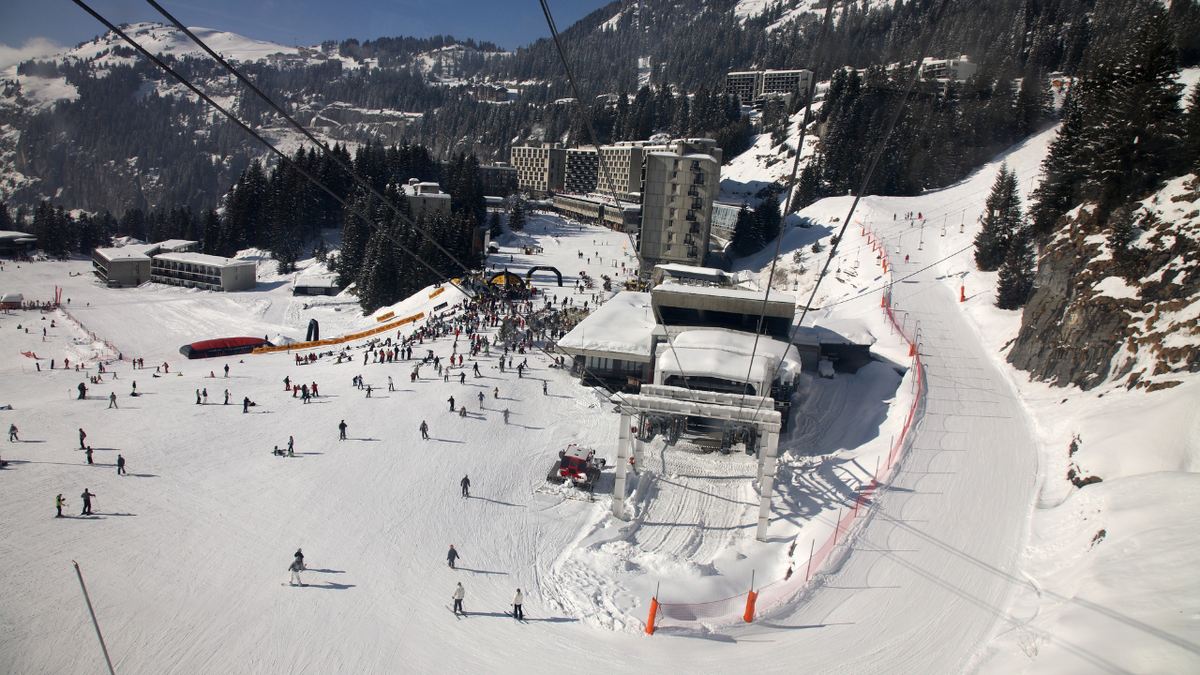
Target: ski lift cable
(879, 148)
(804, 121)
(585, 112)
(324, 148)
(287, 160)
(282, 156)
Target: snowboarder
(342, 431)
(120, 465)
(87, 502)
(295, 568)
(424, 431)
(300, 558)
(466, 488)
(451, 557)
(59, 502)
(12, 433)
(112, 400)
(88, 451)
(81, 437)
(459, 593)
(518, 600)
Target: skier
(451, 399)
(518, 600)
(246, 404)
(59, 502)
(459, 592)
(120, 465)
(226, 397)
(342, 431)
(82, 391)
(496, 392)
(368, 391)
(391, 387)
(481, 400)
(295, 568)
(81, 437)
(112, 401)
(424, 431)
(476, 367)
(544, 392)
(451, 556)
(287, 383)
(462, 378)
(87, 502)
(466, 488)
(197, 397)
(226, 370)
(205, 392)
(291, 444)
(12, 433)
(88, 450)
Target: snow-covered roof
(736, 293)
(128, 252)
(9, 235)
(175, 244)
(726, 355)
(317, 281)
(203, 259)
(621, 328)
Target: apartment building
(622, 163)
(755, 85)
(498, 180)
(581, 170)
(540, 170)
(680, 183)
(959, 69)
(424, 198)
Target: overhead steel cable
(924, 48)
(585, 112)
(804, 121)
(325, 148)
(282, 156)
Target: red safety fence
(781, 590)
(115, 352)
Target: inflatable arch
(508, 279)
(529, 274)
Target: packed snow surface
(977, 556)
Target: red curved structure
(206, 349)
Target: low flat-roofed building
(599, 209)
(15, 244)
(426, 197)
(614, 345)
(689, 274)
(321, 284)
(198, 270)
(127, 265)
(679, 304)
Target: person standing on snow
(342, 431)
(481, 400)
(226, 395)
(518, 600)
(451, 400)
(291, 444)
(466, 488)
(88, 452)
(120, 465)
(544, 392)
(424, 431)
(59, 502)
(12, 433)
(295, 568)
(81, 437)
(112, 400)
(459, 593)
(462, 378)
(451, 557)
(226, 370)
(246, 404)
(300, 558)
(87, 502)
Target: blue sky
(31, 26)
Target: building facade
(130, 265)
(498, 180)
(753, 86)
(677, 200)
(198, 270)
(426, 198)
(540, 170)
(581, 170)
(622, 163)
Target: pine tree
(747, 236)
(768, 217)
(1015, 282)
(516, 217)
(495, 225)
(1001, 223)
(1191, 133)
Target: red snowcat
(578, 465)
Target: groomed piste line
(781, 590)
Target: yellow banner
(385, 317)
(334, 341)
(437, 292)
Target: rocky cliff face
(1132, 317)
